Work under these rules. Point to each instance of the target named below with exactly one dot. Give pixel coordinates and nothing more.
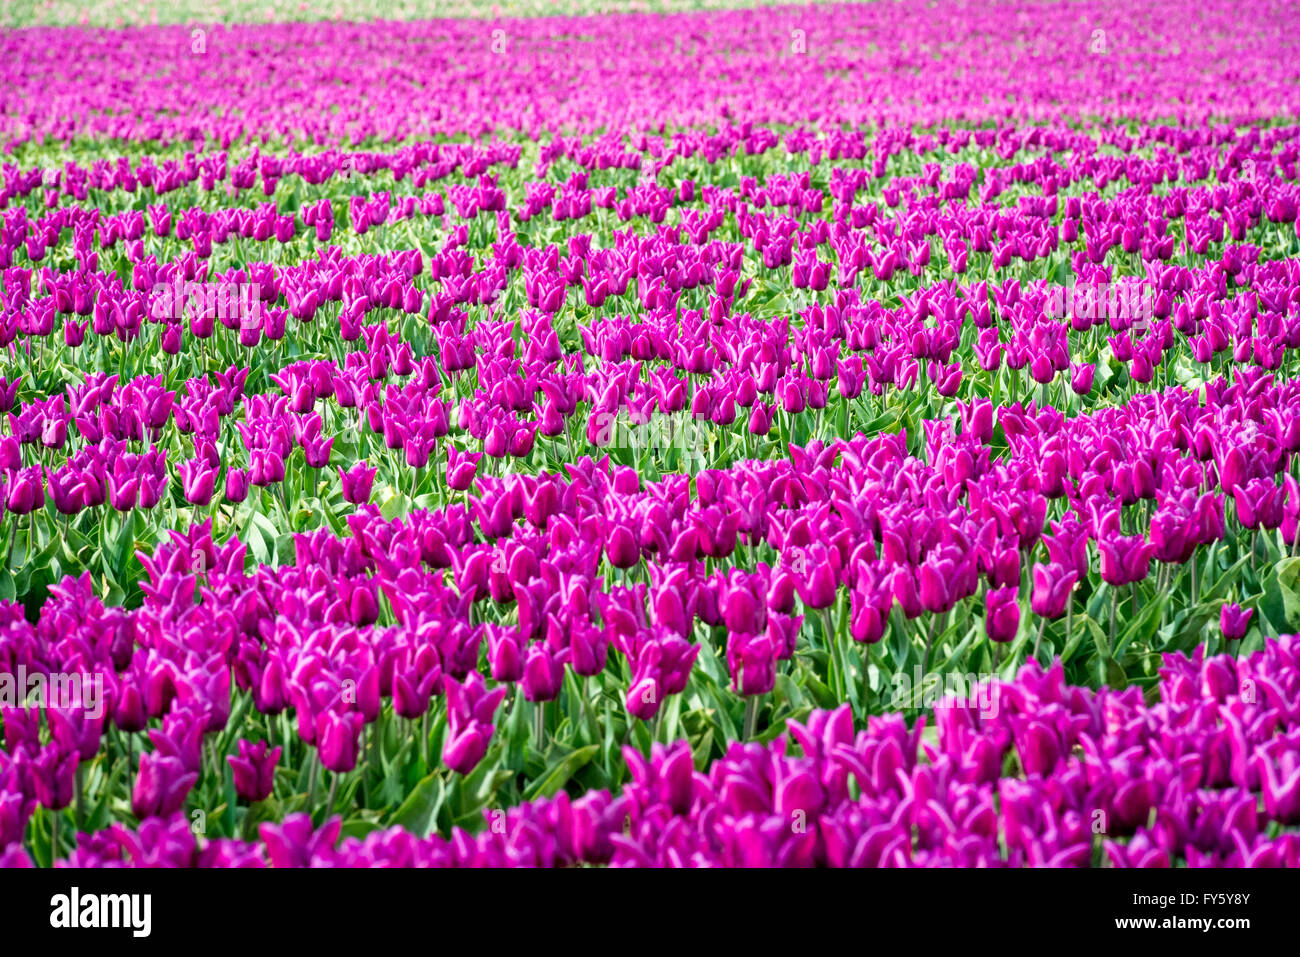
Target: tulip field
(851, 435)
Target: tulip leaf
(899, 642)
(703, 750)
(257, 548)
(479, 786)
(284, 550)
(560, 772)
(777, 728)
(397, 506)
(418, 812)
(1072, 644)
(359, 827)
(516, 734)
(670, 717)
(786, 690)
(721, 700)
(961, 649)
(608, 752)
(639, 732)
(99, 817)
(1187, 628)
(823, 695)
(1112, 674)
(124, 544)
(243, 703)
(1281, 601)
(265, 537)
(1143, 627)
(1220, 588)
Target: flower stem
(751, 716)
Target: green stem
(334, 790)
(311, 783)
(81, 794)
(1114, 616)
(929, 644)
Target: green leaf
(702, 751)
(786, 690)
(1142, 629)
(1072, 645)
(1112, 674)
(823, 695)
(420, 808)
(124, 544)
(559, 773)
(1281, 601)
(284, 550)
(358, 827)
(100, 817)
(481, 784)
(1229, 577)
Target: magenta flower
(198, 481)
(25, 490)
(236, 486)
(337, 739)
(1052, 589)
(254, 770)
(161, 786)
(461, 467)
(1002, 613)
(357, 482)
(543, 672)
(751, 660)
(1081, 376)
(1234, 621)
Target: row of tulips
(729, 377)
(818, 66)
(1259, 166)
(1060, 776)
(1135, 221)
(893, 530)
(93, 424)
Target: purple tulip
(337, 739)
(357, 482)
(198, 481)
(461, 467)
(236, 486)
(1002, 613)
(1234, 621)
(751, 659)
(543, 673)
(254, 770)
(161, 786)
(1052, 590)
(25, 490)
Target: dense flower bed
(629, 441)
